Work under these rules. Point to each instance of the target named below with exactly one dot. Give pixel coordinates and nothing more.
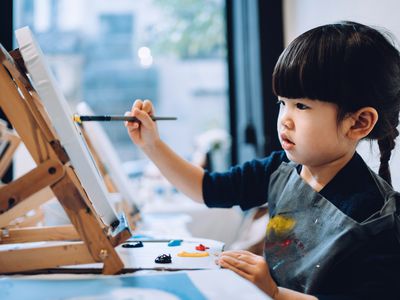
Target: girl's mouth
(286, 143)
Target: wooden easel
(95, 240)
(9, 143)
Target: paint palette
(143, 257)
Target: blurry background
(208, 62)
(108, 53)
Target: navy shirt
(373, 271)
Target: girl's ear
(362, 122)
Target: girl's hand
(144, 133)
(251, 267)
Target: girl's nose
(286, 122)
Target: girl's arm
(185, 176)
(284, 294)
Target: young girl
(333, 222)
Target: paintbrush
(79, 119)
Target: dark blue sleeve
(245, 185)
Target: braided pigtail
(386, 145)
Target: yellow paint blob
(192, 254)
(280, 225)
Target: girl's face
(309, 132)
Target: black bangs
(319, 64)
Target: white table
(185, 285)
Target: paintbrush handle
(79, 119)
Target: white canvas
(61, 117)
(107, 153)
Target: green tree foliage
(191, 29)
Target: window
(108, 53)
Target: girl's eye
(302, 106)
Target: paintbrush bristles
(76, 118)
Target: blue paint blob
(174, 243)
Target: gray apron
(307, 234)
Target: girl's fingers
(241, 259)
(236, 252)
(141, 110)
(137, 104)
(148, 107)
(236, 270)
(247, 258)
(143, 117)
(131, 125)
(240, 264)
(241, 255)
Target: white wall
(302, 15)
